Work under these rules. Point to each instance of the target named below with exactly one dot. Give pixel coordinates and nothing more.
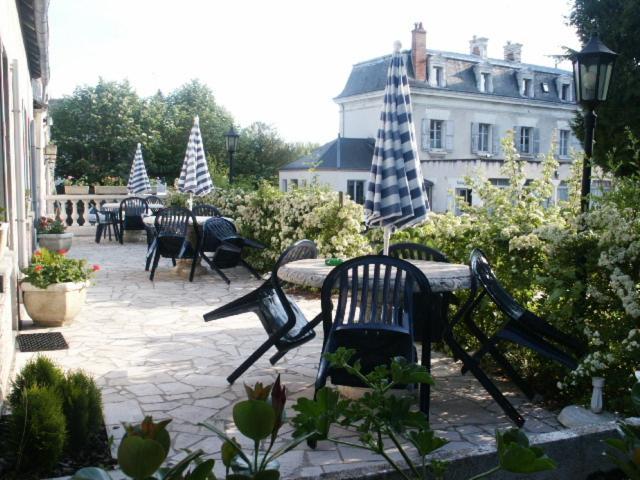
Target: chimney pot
(513, 52)
(478, 46)
(419, 51)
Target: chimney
(478, 46)
(419, 51)
(513, 52)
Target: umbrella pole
(190, 201)
(387, 237)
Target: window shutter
(495, 140)
(448, 130)
(475, 134)
(516, 138)
(536, 141)
(425, 135)
(575, 144)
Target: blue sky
(280, 62)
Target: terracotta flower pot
(110, 190)
(56, 242)
(56, 304)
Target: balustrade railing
(74, 209)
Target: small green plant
(40, 372)
(112, 181)
(80, 181)
(382, 421)
(257, 418)
(49, 226)
(142, 452)
(38, 428)
(82, 405)
(49, 267)
(625, 451)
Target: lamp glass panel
(588, 79)
(606, 68)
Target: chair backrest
(416, 251)
(205, 210)
(153, 199)
(134, 207)
(298, 251)
(218, 228)
(173, 222)
(374, 291)
(482, 273)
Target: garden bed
(96, 452)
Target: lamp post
(592, 67)
(231, 139)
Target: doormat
(36, 342)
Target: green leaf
(406, 373)
(140, 458)
(202, 471)
(616, 443)
(317, 415)
(228, 452)
(515, 454)
(238, 476)
(91, 473)
(267, 475)
(426, 441)
(254, 418)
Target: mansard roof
(339, 154)
(370, 76)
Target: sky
(281, 61)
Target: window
(563, 192)
(293, 183)
(563, 143)
(435, 134)
(484, 137)
(545, 87)
(565, 92)
(527, 89)
(303, 183)
(463, 195)
(499, 182)
(525, 142)
(438, 76)
(428, 188)
(283, 185)
(598, 187)
(485, 79)
(355, 190)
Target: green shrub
(82, 406)
(40, 371)
(38, 428)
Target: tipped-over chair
(521, 327)
(172, 238)
(130, 214)
(205, 210)
(282, 319)
(220, 239)
(368, 305)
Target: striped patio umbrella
(396, 196)
(138, 179)
(194, 177)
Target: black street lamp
(592, 67)
(231, 139)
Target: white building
(463, 104)
(26, 174)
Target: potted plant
(54, 287)
(52, 235)
(76, 186)
(111, 185)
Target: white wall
(336, 179)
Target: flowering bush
(49, 267)
(50, 225)
(80, 181)
(112, 181)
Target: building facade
(463, 105)
(25, 152)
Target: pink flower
(95, 267)
(62, 251)
(38, 268)
(37, 253)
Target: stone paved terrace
(152, 354)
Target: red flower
(37, 253)
(95, 267)
(62, 251)
(38, 268)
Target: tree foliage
(97, 129)
(617, 22)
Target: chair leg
(277, 356)
(193, 267)
(156, 258)
(122, 234)
(98, 232)
(253, 357)
(251, 269)
(173, 262)
(244, 304)
(215, 268)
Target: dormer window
(527, 86)
(525, 83)
(484, 79)
(437, 71)
(563, 84)
(545, 87)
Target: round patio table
(154, 207)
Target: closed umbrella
(138, 179)
(396, 196)
(194, 177)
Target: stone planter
(4, 236)
(55, 241)
(56, 304)
(110, 190)
(76, 190)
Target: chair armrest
(253, 244)
(229, 247)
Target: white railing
(74, 209)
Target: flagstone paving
(152, 354)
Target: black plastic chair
(154, 200)
(172, 240)
(221, 239)
(106, 221)
(416, 251)
(130, 215)
(205, 210)
(374, 314)
(522, 327)
(281, 318)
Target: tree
(618, 24)
(96, 130)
